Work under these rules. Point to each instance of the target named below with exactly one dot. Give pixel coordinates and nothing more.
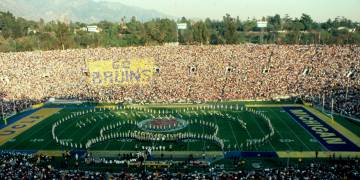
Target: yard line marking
(250, 136)
(292, 131)
(61, 132)
(43, 128)
(278, 132)
(232, 131)
(258, 125)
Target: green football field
(171, 128)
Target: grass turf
(289, 136)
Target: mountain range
(87, 11)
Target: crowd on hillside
(21, 166)
(188, 73)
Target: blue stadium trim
(348, 146)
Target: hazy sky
(320, 10)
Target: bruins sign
(121, 72)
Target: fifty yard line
(292, 131)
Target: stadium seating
(258, 72)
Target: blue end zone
(12, 120)
(241, 154)
(325, 134)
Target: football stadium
(144, 100)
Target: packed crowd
(345, 101)
(20, 166)
(349, 104)
(187, 73)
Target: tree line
(19, 34)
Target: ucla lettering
(6, 132)
(28, 122)
(11, 131)
(19, 126)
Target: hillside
(76, 10)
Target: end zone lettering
(318, 128)
(324, 133)
(13, 130)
